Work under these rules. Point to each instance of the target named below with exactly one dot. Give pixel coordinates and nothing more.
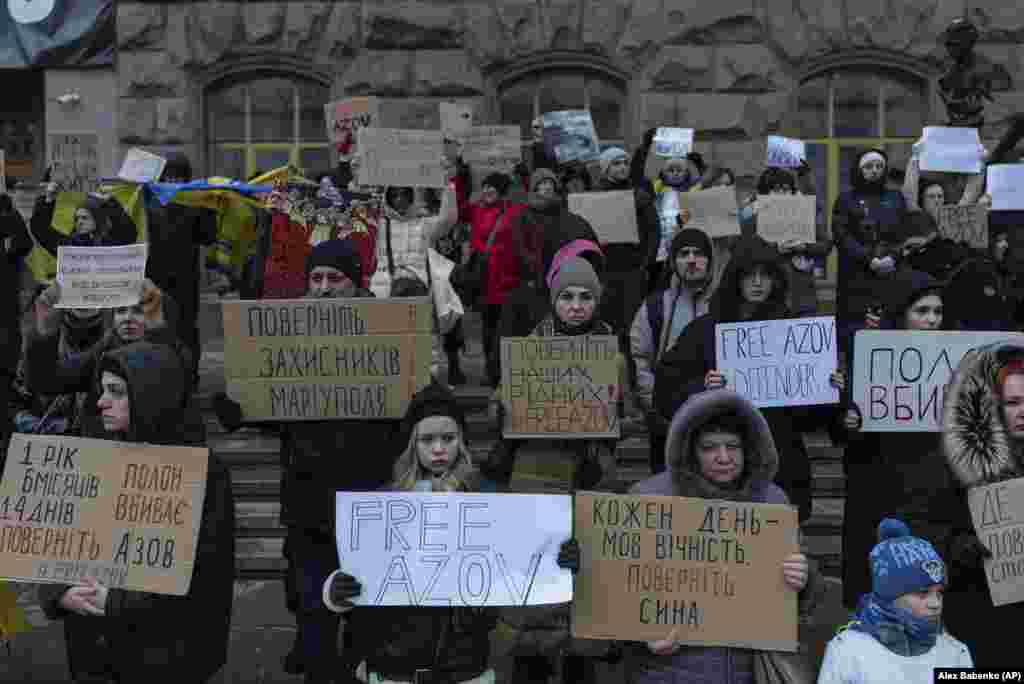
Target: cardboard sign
(346, 118)
(1005, 183)
(611, 214)
(391, 156)
(140, 166)
(965, 224)
(951, 149)
(570, 136)
(446, 549)
(74, 161)
(714, 211)
(900, 376)
(997, 511)
(100, 277)
(779, 363)
(564, 387)
(787, 217)
(127, 515)
(491, 148)
(673, 143)
(322, 359)
(702, 572)
(785, 153)
(457, 118)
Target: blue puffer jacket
(712, 665)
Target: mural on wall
(57, 33)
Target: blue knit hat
(339, 254)
(902, 564)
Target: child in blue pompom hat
(897, 633)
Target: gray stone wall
(728, 68)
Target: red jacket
(504, 260)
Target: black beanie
(499, 181)
(433, 400)
(339, 254)
(178, 166)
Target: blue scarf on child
(896, 628)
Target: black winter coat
(147, 637)
(682, 369)
(12, 227)
(175, 234)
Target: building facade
(240, 86)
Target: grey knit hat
(576, 272)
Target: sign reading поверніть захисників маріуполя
(323, 359)
(125, 514)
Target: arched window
(266, 121)
(552, 83)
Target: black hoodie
(146, 635)
(683, 368)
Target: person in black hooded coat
(144, 637)
(690, 367)
(99, 221)
(877, 465)
(15, 245)
(175, 235)
(860, 219)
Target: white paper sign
(457, 118)
(785, 153)
(787, 217)
(392, 156)
(714, 210)
(420, 549)
(779, 363)
(611, 214)
(673, 143)
(140, 166)
(1005, 183)
(997, 511)
(900, 376)
(951, 150)
(495, 148)
(100, 277)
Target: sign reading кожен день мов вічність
(696, 571)
(125, 514)
(323, 359)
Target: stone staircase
(253, 458)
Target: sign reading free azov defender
(698, 571)
(127, 515)
(565, 387)
(322, 359)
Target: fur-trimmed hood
(974, 437)
(761, 456)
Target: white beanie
(610, 155)
(870, 157)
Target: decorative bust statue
(967, 84)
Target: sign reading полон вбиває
(127, 515)
(900, 376)
(697, 571)
(323, 359)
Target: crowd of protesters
(130, 374)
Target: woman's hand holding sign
(714, 380)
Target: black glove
(967, 551)
(569, 556)
(6, 205)
(344, 587)
(229, 412)
(649, 136)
